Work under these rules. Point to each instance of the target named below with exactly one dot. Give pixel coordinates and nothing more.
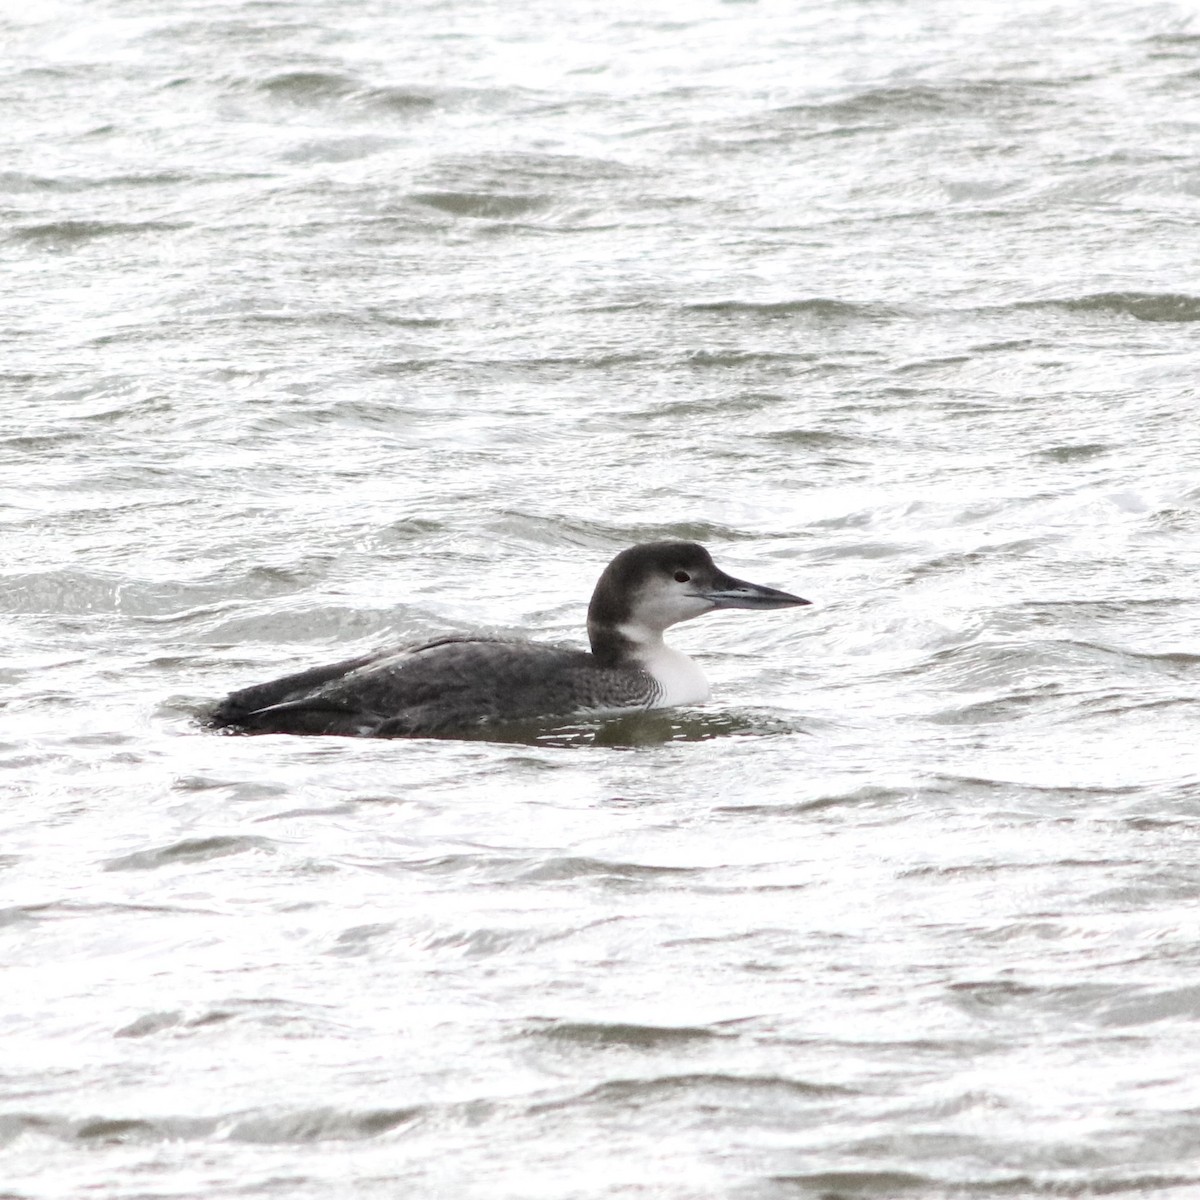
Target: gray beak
(727, 592)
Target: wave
(1142, 306)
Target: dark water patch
(326, 624)
(1148, 1186)
(149, 1024)
(1096, 1004)
(1156, 824)
(270, 1014)
(483, 868)
(927, 364)
(640, 1037)
(1006, 791)
(117, 1131)
(1054, 612)
(1118, 704)
(874, 109)
(320, 1125)
(1015, 705)
(508, 187)
(1143, 306)
(106, 1130)
(958, 561)
(159, 179)
(59, 910)
(851, 550)
(1176, 46)
(490, 206)
(402, 320)
(765, 359)
(1151, 888)
(486, 943)
(714, 1092)
(818, 439)
(1167, 658)
(283, 1128)
(851, 1185)
(16, 182)
(327, 810)
(574, 364)
(405, 101)
(958, 96)
(360, 939)
(1148, 1006)
(191, 850)
(309, 87)
(623, 307)
(618, 874)
(879, 797)
(989, 997)
(558, 175)
(715, 406)
(818, 308)
(1019, 675)
(737, 885)
(67, 234)
(924, 1049)
(21, 914)
(212, 1017)
(236, 789)
(1008, 346)
(985, 869)
(1076, 452)
(404, 531)
(122, 1131)
(34, 442)
(14, 1124)
(324, 88)
(606, 537)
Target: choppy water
(326, 323)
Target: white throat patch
(679, 677)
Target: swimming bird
(458, 683)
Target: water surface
(330, 324)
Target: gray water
(329, 324)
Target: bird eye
(682, 577)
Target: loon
(458, 683)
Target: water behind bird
(335, 326)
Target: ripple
(642, 1037)
(106, 1130)
(1144, 306)
(1102, 1005)
(490, 206)
(872, 796)
(847, 1185)
(620, 873)
(76, 232)
(320, 1125)
(307, 87)
(1147, 1006)
(190, 850)
(787, 310)
(705, 1089)
(299, 1126)
(329, 321)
